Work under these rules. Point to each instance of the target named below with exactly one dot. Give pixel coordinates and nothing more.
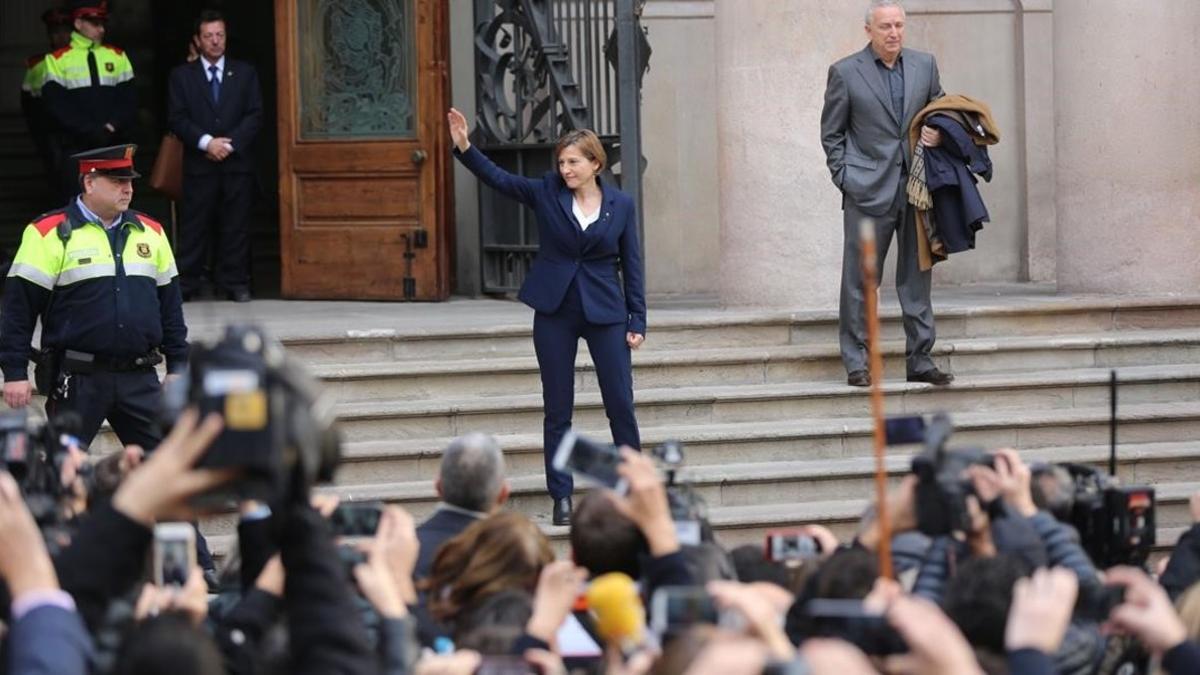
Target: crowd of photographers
(992, 568)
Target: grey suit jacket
(864, 143)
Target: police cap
(114, 161)
(94, 10)
(56, 17)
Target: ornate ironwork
(357, 69)
(544, 67)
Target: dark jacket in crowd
(443, 525)
(1183, 569)
(950, 169)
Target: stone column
(781, 221)
(1128, 176)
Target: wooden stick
(866, 238)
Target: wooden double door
(364, 181)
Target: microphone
(620, 616)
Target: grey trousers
(912, 285)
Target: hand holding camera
(386, 577)
(646, 502)
(1041, 610)
(162, 485)
(24, 563)
(1147, 612)
(559, 584)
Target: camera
(33, 452)
(790, 547)
(688, 509)
(1116, 524)
(356, 519)
(849, 620)
(279, 429)
(942, 483)
(674, 609)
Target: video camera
(279, 428)
(942, 484)
(1116, 524)
(34, 452)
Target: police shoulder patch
(143, 249)
(58, 53)
(46, 223)
(150, 222)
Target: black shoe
(239, 295)
(932, 376)
(562, 511)
(859, 378)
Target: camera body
(942, 487)
(33, 452)
(279, 429)
(1116, 524)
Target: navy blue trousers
(556, 341)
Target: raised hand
(458, 130)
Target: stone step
(389, 460)
(768, 402)
(497, 376)
(786, 482)
(509, 334)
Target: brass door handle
(418, 156)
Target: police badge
(143, 250)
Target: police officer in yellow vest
(58, 33)
(89, 92)
(102, 279)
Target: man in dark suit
(471, 485)
(870, 100)
(215, 108)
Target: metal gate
(542, 68)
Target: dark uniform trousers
(130, 400)
(215, 205)
(556, 341)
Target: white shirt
(584, 221)
(208, 77)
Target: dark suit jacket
(48, 641)
(191, 113)
(567, 252)
(865, 145)
(441, 526)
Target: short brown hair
(588, 143)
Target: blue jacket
(566, 252)
(48, 640)
(958, 208)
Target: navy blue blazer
(238, 115)
(49, 640)
(567, 252)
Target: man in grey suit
(870, 100)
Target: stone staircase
(773, 436)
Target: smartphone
(506, 665)
(591, 460)
(356, 519)
(850, 621)
(673, 608)
(904, 430)
(790, 546)
(174, 553)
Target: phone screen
(591, 460)
(356, 520)
(904, 430)
(174, 562)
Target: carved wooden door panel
(364, 181)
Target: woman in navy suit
(587, 232)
